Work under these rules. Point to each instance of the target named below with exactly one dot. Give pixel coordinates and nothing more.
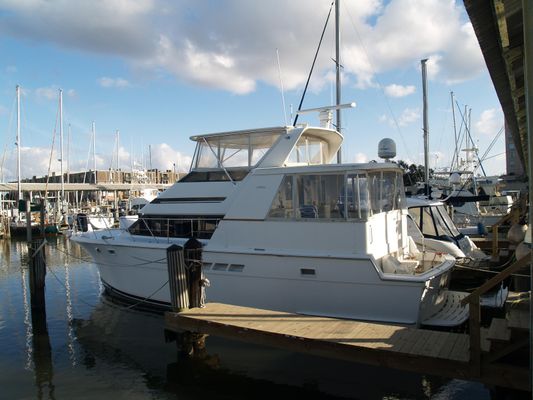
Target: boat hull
(347, 287)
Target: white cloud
(360, 158)
(490, 122)
(49, 93)
(164, 157)
(113, 82)
(408, 116)
(395, 90)
(231, 44)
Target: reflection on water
(86, 346)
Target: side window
(315, 197)
(282, 205)
(357, 196)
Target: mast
(61, 143)
(454, 131)
(68, 155)
(426, 129)
(338, 72)
(118, 137)
(19, 189)
(94, 152)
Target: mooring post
(28, 221)
(37, 267)
(193, 261)
(177, 278)
(42, 217)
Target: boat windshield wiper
(219, 161)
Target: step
(484, 342)
(518, 318)
(499, 330)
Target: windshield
(236, 150)
(445, 219)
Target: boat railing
(171, 228)
(474, 302)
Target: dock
(440, 353)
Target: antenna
(281, 88)
(325, 114)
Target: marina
(95, 347)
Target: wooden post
(193, 260)
(475, 336)
(42, 218)
(28, 221)
(177, 278)
(37, 267)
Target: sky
(160, 71)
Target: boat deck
(418, 350)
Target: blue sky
(161, 71)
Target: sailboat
(282, 228)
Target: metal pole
(61, 143)
(19, 189)
(426, 129)
(338, 71)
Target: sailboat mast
(94, 152)
(454, 133)
(118, 138)
(61, 143)
(68, 154)
(19, 189)
(338, 72)
(426, 129)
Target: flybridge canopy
(269, 147)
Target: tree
(412, 174)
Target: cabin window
(282, 206)
(201, 227)
(357, 196)
(428, 225)
(319, 196)
(309, 150)
(215, 176)
(444, 221)
(337, 196)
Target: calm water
(87, 347)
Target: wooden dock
(392, 346)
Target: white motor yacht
(284, 229)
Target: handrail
(497, 279)
(473, 299)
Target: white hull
(340, 287)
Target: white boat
(431, 227)
(283, 229)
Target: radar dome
(455, 178)
(386, 149)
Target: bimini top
(267, 147)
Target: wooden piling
(177, 278)
(28, 221)
(37, 268)
(193, 261)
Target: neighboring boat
(284, 229)
(134, 206)
(431, 227)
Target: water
(88, 347)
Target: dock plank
(387, 345)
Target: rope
(144, 300)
